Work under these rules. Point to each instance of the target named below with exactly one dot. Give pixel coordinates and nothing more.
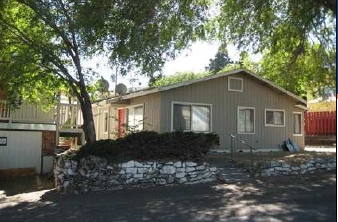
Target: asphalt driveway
(305, 198)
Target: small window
(274, 117)
(235, 84)
(105, 125)
(245, 120)
(135, 118)
(297, 124)
(190, 117)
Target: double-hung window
(135, 118)
(274, 117)
(297, 123)
(245, 120)
(191, 117)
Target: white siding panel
(23, 150)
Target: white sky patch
(193, 59)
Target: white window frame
(254, 120)
(235, 90)
(190, 104)
(132, 107)
(301, 123)
(273, 125)
(105, 131)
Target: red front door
(121, 122)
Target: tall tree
(288, 27)
(220, 60)
(44, 39)
(312, 72)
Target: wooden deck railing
(4, 110)
(26, 113)
(68, 117)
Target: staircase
(231, 172)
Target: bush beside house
(139, 159)
(149, 145)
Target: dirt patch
(12, 186)
(287, 157)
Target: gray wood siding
(99, 120)
(151, 111)
(224, 110)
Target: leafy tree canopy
(43, 39)
(285, 24)
(312, 72)
(297, 38)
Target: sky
(194, 59)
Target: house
(29, 135)
(237, 102)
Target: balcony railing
(4, 110)
(26, 113)
(68, 117)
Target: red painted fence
(320, 123)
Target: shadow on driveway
(301, 198)
(19, 185)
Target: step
(234, 174)
(230, 176)
(233, 170)
(234, 180)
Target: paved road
(310, 198)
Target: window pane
(269, 117)
(135, 118)
(297, 123)
(182, 117)
(241, 121)
(275, 117)
(249, 121)
(245, 121)
(278, 117)
(201, 118)
(235, 84)
(138, 118)
(131, 121)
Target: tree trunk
(88, 120)
(88, 123)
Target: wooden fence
(320, 123)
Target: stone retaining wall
(95, 173)
(279, 168)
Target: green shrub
(149, 145)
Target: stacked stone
(94, 173)
(279, 168)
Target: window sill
(235, 90)
(271, 125)
(191, 131)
